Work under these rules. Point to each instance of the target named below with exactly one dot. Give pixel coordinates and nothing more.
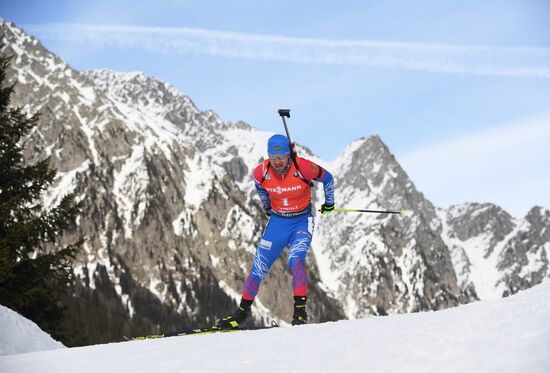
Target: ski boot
(237, 319)
(300, 315)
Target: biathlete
(284, 184)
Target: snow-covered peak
(30, 54)
(142, 92)
(494, 252)
(368, 163)
(472, 219)
(539, 212)
(38, 68)
(346, 157)
(18, 37)
(370, 177)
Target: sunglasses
(280, 157)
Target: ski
(200, 331)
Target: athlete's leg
(274, 240)
(300, 240)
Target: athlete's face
(279, 162)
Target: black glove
(267, 213)
(326, 209)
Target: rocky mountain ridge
(172, 219)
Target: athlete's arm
(328, 186)
(262, 193)
(312, 171)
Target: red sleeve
(258, 173)
(310, 170)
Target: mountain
(169, 217)
(172, 219)
(494, 253)
(380, 264)
(504, 335)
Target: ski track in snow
(500, 335)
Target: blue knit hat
(278, 144)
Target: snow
(471, 260)
(536, 263)
(345, 157)
(502, 335)
(22, 335)
(250, 146)
(101, 257)
(412, 269)
(130, 189)
(66, 183)
(258, 309)
(155, 131)
(157, 287)
(199, 181)
(239, 228)
(89, 132)
(324, 260)
(182, 224)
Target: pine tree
(35, 269)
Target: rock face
(382, 263)
(172, 219)
(494, 253)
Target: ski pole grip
(284, 112)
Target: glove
(326, 209)
(267, 213)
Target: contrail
(480, 60)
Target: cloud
(489, 142)
(506, 165)
(502, 61)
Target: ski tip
(404, 212)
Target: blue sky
(458, 90)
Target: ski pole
(401, 212)
(286, 113)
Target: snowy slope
(21, 335)
(504, 335)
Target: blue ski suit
(288, 198)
